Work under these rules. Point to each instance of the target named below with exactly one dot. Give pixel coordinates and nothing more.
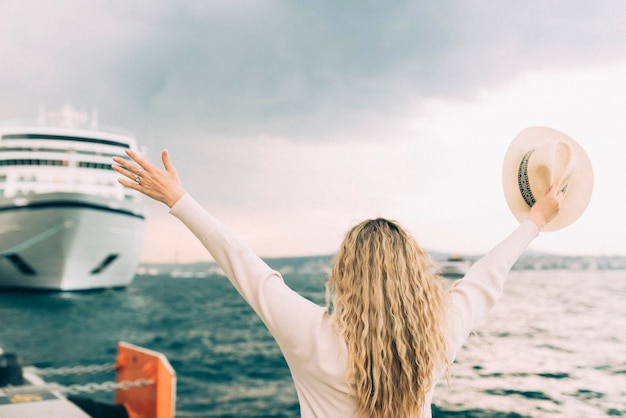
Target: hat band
(522, 180)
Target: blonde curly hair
(389, 307)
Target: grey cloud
(295, 68)
(287, 62)
(298, 69)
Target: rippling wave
(555, 346)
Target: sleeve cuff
(180, 204)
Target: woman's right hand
(160, 184)
(546, 208)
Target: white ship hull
(65, 221)
(68, 242)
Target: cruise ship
(66, 224)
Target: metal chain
(107, 386)
(65, 371)
(76, 389)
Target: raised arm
(263, 288)
(476, 294)
(237, 260)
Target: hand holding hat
(546, 207)
(538, 159)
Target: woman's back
(389, 307)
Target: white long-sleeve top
(315, 352)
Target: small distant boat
(65, 221)
(454, 267)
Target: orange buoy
(156, 396)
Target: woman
(389, 331)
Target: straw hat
(539, 157)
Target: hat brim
(578, 194)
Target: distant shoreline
(321, 264)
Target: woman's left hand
(162, 185)
(546, 207)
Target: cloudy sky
(293, 120)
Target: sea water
(554, 346)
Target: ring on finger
(137, 178)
